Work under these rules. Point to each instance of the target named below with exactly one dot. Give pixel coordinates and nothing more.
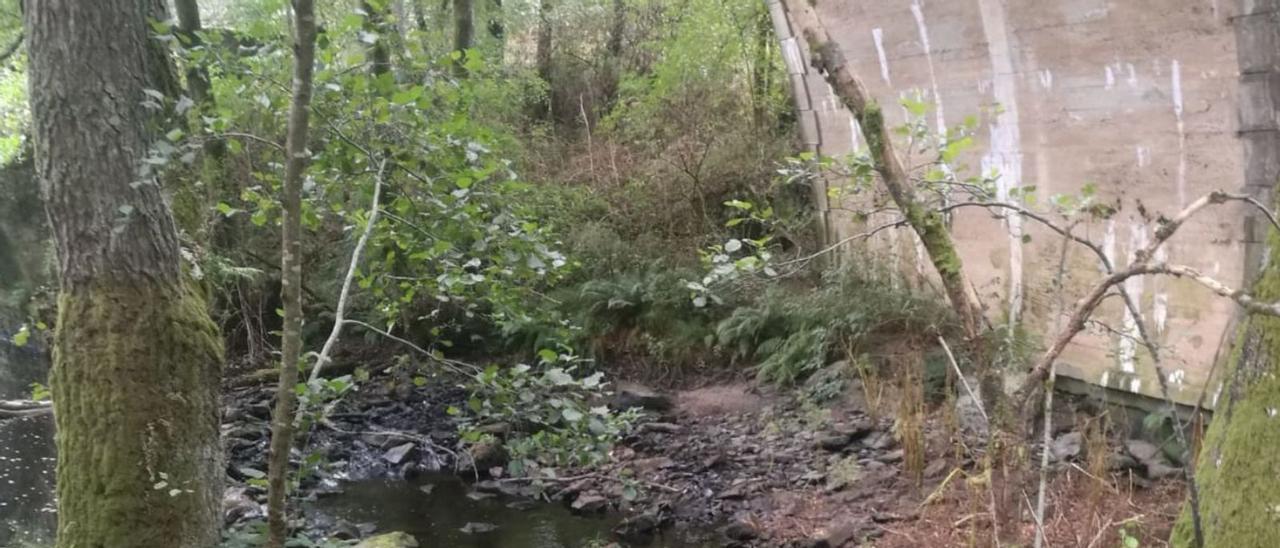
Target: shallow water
(26, 455)
(437, 517)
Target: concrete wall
(1145, 99)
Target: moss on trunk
(1238, 470)
(139, 458)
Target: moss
(1238, 470)
(135, 386)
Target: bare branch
(341, 310)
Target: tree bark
(1238, 468)
(375, 22)
(291, 270)
(464, 32)
(137, 361)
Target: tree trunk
(464, 32)
(542, 56)
(291, 270)
(136, 358)
(1238, 468)
(375, 23)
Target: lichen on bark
(140, 463)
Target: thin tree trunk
(291, 270)
(464, 32)
(137, 361)
(375, 23)
(542, 55)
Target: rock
(1141, 450)
(878, 440)
(237, 506)
(663, 427)
(935, 468)
(891, 457)
(389, 540)
(477, 527)
(428, 488)
(1157, 470)
(375, 439)
(834, 442)
(628, 394)
(1067, 446)
(969, 413)
(740, 530)
(483, 456)
(836, 535)
(638, 529)
(345, 531)
(499, 429)
(589, 503)
(397, 454)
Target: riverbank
(739, 463)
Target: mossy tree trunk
(1238, 468)
(136, 357)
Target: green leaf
(570, 414)
(548, 356)
(20, 338)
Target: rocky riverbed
(722, 465)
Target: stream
(438, 509)
(26, 454)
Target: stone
(740, 530)
(477, 527)
(1067, 446)
(969, 413)
(589, 503)
(1157, 470)
(397, 454)
(935, 468)
(238, 506)
(638, 529)
(389, 540)
(1141, 450)
(892, 456)
(629, 394)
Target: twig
(977, 401)
(341, 311)
(460, 367)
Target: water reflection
(437, 509)
(26, 455)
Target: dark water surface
(437, 514)
(26, 454)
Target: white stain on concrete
(1109, 243)
(1132, 80)
(1128, 350)
(1046, 79)
(877, 34)
(1005, 153)
(1144, 155)
(1160, 304)
(1135, 385)
(1109, 77)
(941, 120)
(1175, 78)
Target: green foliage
(551, 413)
(792, 334)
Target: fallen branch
(14, 409)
